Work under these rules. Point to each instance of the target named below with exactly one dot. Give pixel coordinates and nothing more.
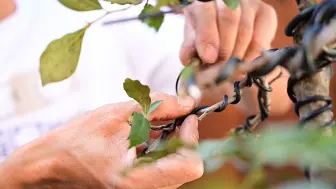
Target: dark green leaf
(154, 22)
(81, 5)
(232, 4)
(124, 2)
(154, 106)
(59, 60)
(138, 92)
(140, 130)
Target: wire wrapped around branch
(316, 49)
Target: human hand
(215, 33)
(91, 151)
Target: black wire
(313, 19)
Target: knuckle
(225, 53)
(196, 170)
(228, 16)
(193, 163)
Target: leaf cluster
(139, 121)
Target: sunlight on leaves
(140, 130)
(59, 60)
(154, 22)
(138, 92)
(81, 5)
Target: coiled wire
(312, 20)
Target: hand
(91, 151)
(215, 33)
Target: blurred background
(109, 55)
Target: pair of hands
(91, 151)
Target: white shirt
(109, 55)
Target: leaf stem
(107, 13)
(144, 16)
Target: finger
(203, 20)
(189, 130)
(265, 26)
(245, 29)
(228, 22)
(171, 170)
(188, 49)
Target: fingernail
(186, 102)
(210, 54)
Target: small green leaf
(154, 22)
(140, 130)
(138, 92)
(232, 4)
(154, 106)
(59, 60)
(124, 2)
(82, 5)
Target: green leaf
(162, 3)
(60, 58)
(124, 2)
(138, 92)
(232, 4)
(82, 5)
(215, 153)
(210, 148)
(154, 22)
(154, 106)
(140, 130)
(186, 73)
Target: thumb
(173, 170)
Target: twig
(109, 12)
(145, 16)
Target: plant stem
(144, 16)
(109, 12)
